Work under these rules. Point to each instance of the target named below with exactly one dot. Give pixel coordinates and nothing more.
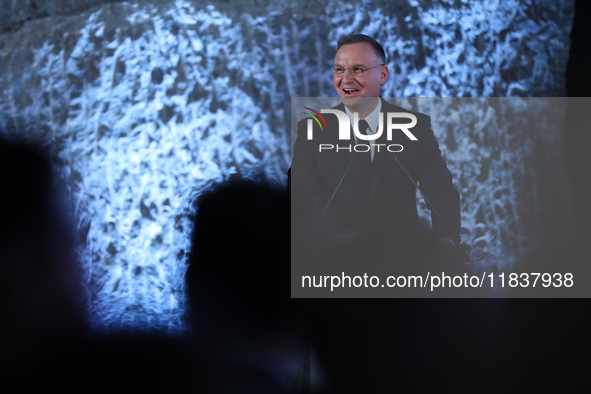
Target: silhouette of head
(39, 278)
(239, 264)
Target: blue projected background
(145, 104)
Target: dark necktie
(365, 156)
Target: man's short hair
(359, 38)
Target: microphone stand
(339, 185)
(427, 201)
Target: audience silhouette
(238, 286)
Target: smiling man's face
(351, 87)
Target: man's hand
(452, 254)
(445, 243)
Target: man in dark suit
(375, 191)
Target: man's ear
(384, 74)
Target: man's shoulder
(340, 107)
(302, 122)
(388, 107)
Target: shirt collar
(372, 119)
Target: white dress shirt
(372, 120)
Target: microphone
(350, 159)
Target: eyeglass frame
(351, 69)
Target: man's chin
(352, 102)
(359, 104)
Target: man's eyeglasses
(340, 71)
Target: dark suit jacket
(383, 199)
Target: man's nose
(348, 74)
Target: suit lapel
(357, 170)
(383, 158)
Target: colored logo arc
(320, 116)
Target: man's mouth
(350, 92)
